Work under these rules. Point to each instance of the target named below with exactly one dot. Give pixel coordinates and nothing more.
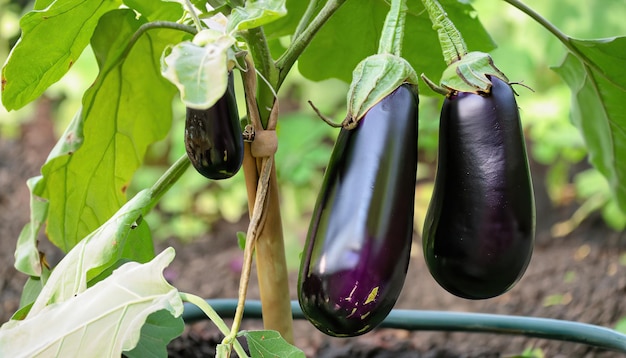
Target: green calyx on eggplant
(358, 244)
(213, 138)
(479, 230)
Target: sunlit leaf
(34, 63)
(157, 10)
(107, 318)
(598, 107)
(256, 13)
(124, 111)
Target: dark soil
(578, 277)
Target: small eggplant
(213, 138)
(480, 225)
(358, 244)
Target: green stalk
(265, 66)
(393, 31)
(166, 181)
(306, 17)
(206, 308)
(298, 44)
(452, 44)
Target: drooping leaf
(353, 32)
(598, 108)
(101, 249)
(200, 68)
(255, 14)
(264, 344)
(107, 318)
(27, 258)
(34, 63)
(127, 109)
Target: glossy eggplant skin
(479, 229)
(358, 244)
(213, 138)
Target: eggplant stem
(324, 118)
(393, 30)
(452, 44)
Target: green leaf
(124, 111)
(200, 68)
(158, 330)
(107, 318)
(101, 249)
(256, 14)
(598, 107)
(157, 10)
(264, 344)
(353, 32)
(373, 79)
(287, 24)
(27, 258)
(53, 37)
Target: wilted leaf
(107, 318)
(200, 68)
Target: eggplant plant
(156, 58)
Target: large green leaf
(127, 109)
(105, 319)
(53, 37)
(353, 32)
(157, 10)
(598, 107)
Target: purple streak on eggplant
(213, 138)
(479, 230)
(357, 249)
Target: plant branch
(306, 17)
(562, 37)
(193, 15)
(166, 181)
(298, 44)
(264, 63)
(206, 308)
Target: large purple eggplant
(479, 230)
(357, 249)
(213, 138)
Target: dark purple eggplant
(213, 138)
(357, 248)
(479, 230)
